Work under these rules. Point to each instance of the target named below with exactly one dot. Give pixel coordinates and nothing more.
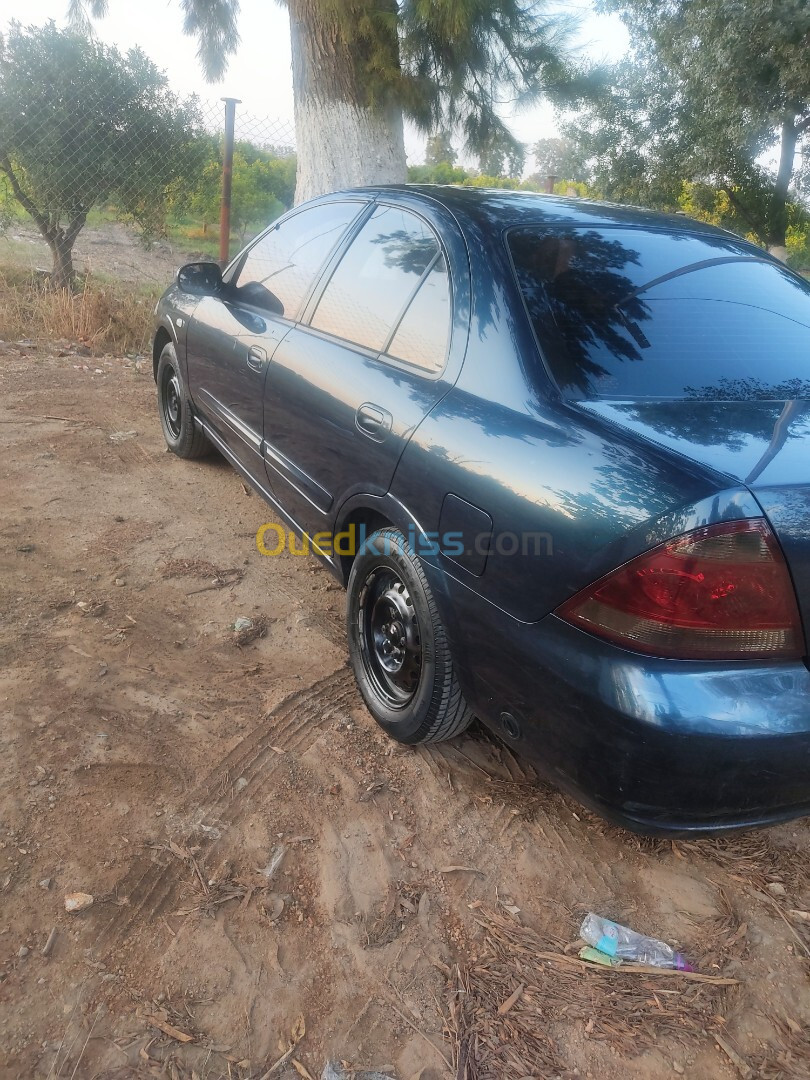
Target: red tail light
(718, 593)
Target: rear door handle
(256, 358)
(373, 421)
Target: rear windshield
(628, 313)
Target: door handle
(373, 421)
(256, 358)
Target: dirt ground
(111, 249)
(422, 916)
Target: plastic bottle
(619, 941)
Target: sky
(259, 73)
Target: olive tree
(82, 125)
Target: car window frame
(231, 274)
(564, 226)
(380, 355)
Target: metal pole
(227, 176)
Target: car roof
(500, 208)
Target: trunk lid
(762, 444)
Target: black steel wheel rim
(390, 639)
(172, 402)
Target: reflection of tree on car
(572, 283)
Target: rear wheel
(398, 647)
(182, 435)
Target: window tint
(421, 337)
(376, 277)
(280, 267)
(631, 314)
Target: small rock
(45, 883)
(240, 784)
(23, 951)
(33, 783)
(776, 888)
(26, 548)
(678, 1068)
(77, 901)
(120, 582)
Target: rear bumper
(661, 747)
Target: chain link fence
(136, 167)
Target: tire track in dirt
(214, 801)
(295, 724)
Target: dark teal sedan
(559, 454)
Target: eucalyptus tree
(712, 90)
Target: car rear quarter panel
(570, 497)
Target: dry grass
(755, 858)
(259, 625)
(518, 987)
(106, 317)
(401, 904)
(200, 568)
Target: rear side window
(376, 278)
(280, 267)
(629, 314)
(422, 336)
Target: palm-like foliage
(448, 64)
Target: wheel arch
(163, 337)
(370, 514)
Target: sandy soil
(149, 760)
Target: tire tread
(193, 442)
(449, 714)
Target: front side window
(634, 314)
(376, 277)
(280, 267)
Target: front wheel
(397, 645)
(182, 435)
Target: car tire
(398, 647)
(183, 437)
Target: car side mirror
(200, 278)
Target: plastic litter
(333, 1070)
(243, 624)
(622, 943)
(274, 863)
(594, 956)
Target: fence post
(227, 176)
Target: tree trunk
(778, 218)
(345, 136)
(62, 274)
